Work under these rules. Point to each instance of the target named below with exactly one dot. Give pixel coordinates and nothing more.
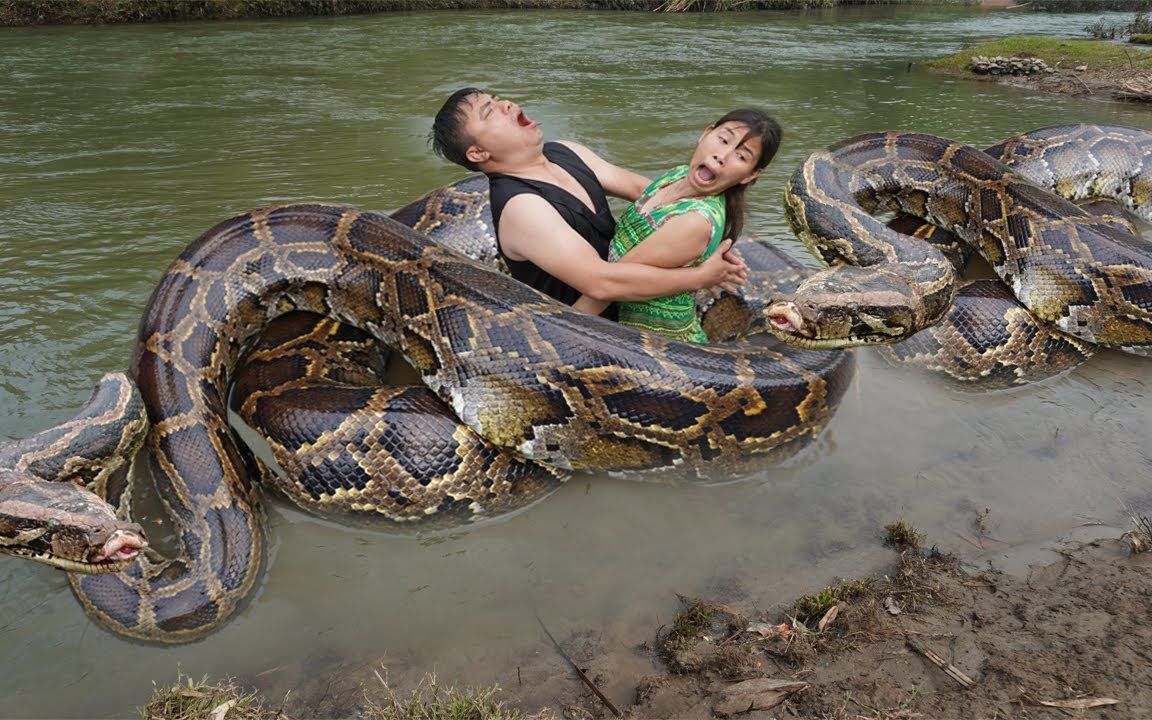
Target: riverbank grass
(432, 701)
(1062, 53)
(188, 699)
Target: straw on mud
(583, 677)
(949, 669)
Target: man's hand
(724, 270)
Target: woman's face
(723, 158)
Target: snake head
(846, 306)
(63, 525)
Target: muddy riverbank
(1095, 70)
(1049, 630)
(929, 637)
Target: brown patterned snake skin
(314, 387)
(522, 371)
(1085, 275)
(53, 485)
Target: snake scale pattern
(540, 389)
(522, 371)
(1083, 273)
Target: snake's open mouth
(786, 318)
(121, 547)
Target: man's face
(499, 128)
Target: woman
(683, 217)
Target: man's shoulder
(528, 210)
(582, 151)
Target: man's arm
(615, 180)
(678, 242)
(531, 229)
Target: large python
(579, 393)
(522, 371)
(1087, 275)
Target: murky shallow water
(118, 145)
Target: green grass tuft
(431, 701)
(1064, 53)
(814, 606)
(902, 535)
(690, 621)
(188, 699)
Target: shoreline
(1034, 631)
(1093, 70)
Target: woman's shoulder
(671, 176)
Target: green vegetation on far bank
(98, 12)
(1056, 52)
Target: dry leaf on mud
(222, 709)
(891, 606)
(758, 694)
(1079, 703)
(768, 630)
(828, 617)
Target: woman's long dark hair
(762, 125)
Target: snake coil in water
(539, 389)
(523, 372)
(1086, 275)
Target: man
(553, 224)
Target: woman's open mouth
(523, 120)
(704, 175)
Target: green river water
(119, 145)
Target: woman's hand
(723, 271)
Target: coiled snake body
(1087, 275)
(522, 371)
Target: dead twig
(583, 676)
(949, 669)
(970, 540)
(1082, 83)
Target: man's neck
(527, 164)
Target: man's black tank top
(595, 227)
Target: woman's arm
(531, 229)
(677, 243)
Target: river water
(119, 145)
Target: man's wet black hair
(448, 138)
